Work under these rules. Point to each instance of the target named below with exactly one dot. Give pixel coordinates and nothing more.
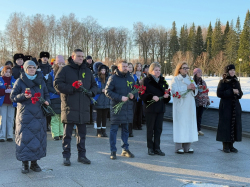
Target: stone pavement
(208, 166)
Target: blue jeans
(124, 136)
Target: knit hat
(59, 58)
(28, 63)
(197, 70)
(88, 57)
(229, 67)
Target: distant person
(18, 60)
(230, 125)
(130, 125)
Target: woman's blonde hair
(178, 67)
(153, 66)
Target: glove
(8, 90)
(89, 94)
(78, 90)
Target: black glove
(78, 90)
(89, 94)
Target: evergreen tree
(208, 43)
(231, 45)
(217, 45)
(238, 32)
(173, 42)
(191, 38)
(198, 43)
(224, 37)
(183, 40)
(244, 48)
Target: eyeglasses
(185, 68)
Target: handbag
(46, 110)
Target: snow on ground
(212, 83)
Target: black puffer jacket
(154, 89)
(16, 71)
(45, 68)
(119, 85)
(230, 126)
(56, 102)
(31, 126)
(75, 105)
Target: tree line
(209, 48)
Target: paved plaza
(208, 166)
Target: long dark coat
(75, 105)
(154, 89)
(31, 126)
(117, 86)
(230, 126)
(16, 71)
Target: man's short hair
(122, 61)
(75, 51)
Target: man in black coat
(18, 60)
(118, 87)
(75, 104)
(44, 65)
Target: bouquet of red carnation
(38, 97)
(78, 84)
(160, 98)
(203, 89)
(177, 95)
(137, 88)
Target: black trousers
(80, 139)
(137, 119)
(154, 122)
(101, 118)
(90, 113)
(199, 112)
(130, 128)
(48, 119)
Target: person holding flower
(184, 90)
(75, 106)
(156, 91)
(31, 134)
(230, 124)
(56, 124)
(201, 99)
(118, 89)
(7, 110)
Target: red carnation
(179, 96)
(212, 102)
(136, 86)
(51, 63)
(34, 100)
(37, 94)
(177, 93)
(21, 67)
(204, 87)
(76, 84)
(173, 95)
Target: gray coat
(103, 102)
(31, 135)
(117, 86)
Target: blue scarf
(31, 77)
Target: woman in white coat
(184, 109)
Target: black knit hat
(44, 54)
(88, 57)
(17, 56)
(8, 63)
(229, 67)
(145, 66)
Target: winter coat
(16, 71)
(202, 99)
(45, 68)
(5, 97)
(103, 102)
(75, 105)
(31, 126)
(54, 96)
(184, 111)
(119, 85)
(154, 89)
(230, 126)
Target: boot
(226, 148)
(25, 167)
(232, 149)
(83, 160)
(99, 133)
(104, 134)
(113, 155)
(35, 167)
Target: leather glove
(89, 94)
(78, 90)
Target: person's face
(31, 70)
(199, 74)
(89, 61)
(231, 72)
(44, 60)
(7, 73)
(156, 72)
(123, 67)
(19, 61)
(103, 71)
(61, 64)
(130, 68)
(138, 67)
(184, 69)
(78, 57)
(146, 70)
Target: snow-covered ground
(212, 83)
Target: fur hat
(96, 66)
(229, 67)
(27, 57)
(28, 63)
(17, 56)
(44, 54)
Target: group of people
(80, 87)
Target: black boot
(151, 152)
(232, 149)
(25, 167)
(226, 147)
(99, 133)
(113, 155)
(104, 134)
(35, 167)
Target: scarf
(31, 77)
(156, 79)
